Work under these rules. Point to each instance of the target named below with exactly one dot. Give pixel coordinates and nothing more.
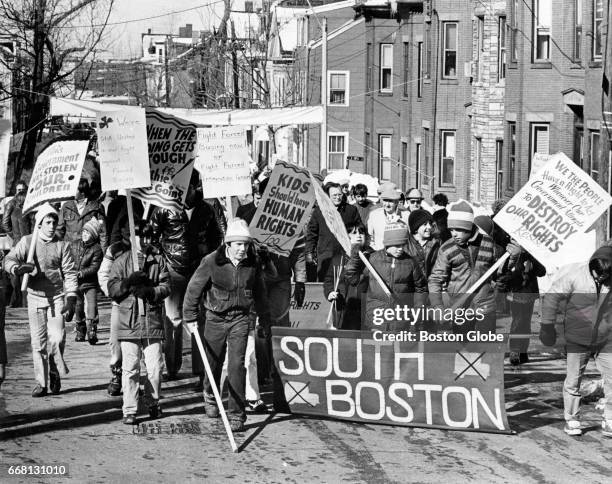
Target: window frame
(406, 69)
(347, 84)
(445, 50)
(417, 165)
(499, 168)
(594, 156)
(578, 30)
(383, 160)
(502, 47)
(597, 39)
(511, 155)
(533, 129)
(383, 68)
(420, 69)
(340, 134)
(444, 133)
(540, 30)
(514, 27)
(480, 47)
(369, 67)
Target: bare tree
(54, 38)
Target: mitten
(69, 308)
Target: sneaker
(237, 425)
(39, 391)
(257, 406)
(129, 419)
(81, 330)
(92, 336)
(572, 427)
(606, 428)
(114, 386)
(155, 411)
(55, 383)
(515, 359)
(212, 411)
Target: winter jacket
(402, 276)
(424, 255)
(14, 222)
(55, 272)
(519, 276)
(586, 309)
(183, 240)
(112, 253)
(320, 240)
(133, 325)
(377, 222)
(71, 222)
(224, 287)
(88, 260)
(460, 267)
(364, 210)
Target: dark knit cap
(418, 218)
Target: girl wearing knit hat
(88, 259)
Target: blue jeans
(576, 364)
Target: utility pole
(323, 155)
(235, 76)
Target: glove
(144, 292)
(69, 308)
(263, 253)
(311, 259)
(548, 334)
(514, 249)
(25, 268)
(137, 278)
(299, 293)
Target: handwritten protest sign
(346, 375)
(223, 161)
(172, 146)
(557, 205)
(332, 216)
(313, 313)
(538, 161)
(56, 173)
(5, 145)
(284, 209)
(122, 144)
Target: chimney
(188, 30)
(149, 31)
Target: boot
(114, 387)
(80, 329)
(55, 382)
(92, 329)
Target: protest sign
(172, 145)
(223, 161)
(122, 145)
(349, 375)
(538, 161)
(313, 312)
(332, 216)
(284, 209)
(557, 205)
(56, 173)
(5, 145)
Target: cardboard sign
(313, 313)
(5, 145)
(348, 375)
(284, 209)
(223, 161)
(56, 173)
(172, 147)
(332, 216)
(557, 205)
(122, 145)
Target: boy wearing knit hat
(400, 272)
(88, 257)
(461, 261)
(422, 245)
(231, 285)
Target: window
(542, 28)
(384, 156)
(369, 68)
(417, 165)
(367, 149)
(594, 162)
(426, 159)
(337, 150)
(263, 154)
(511, 154)
(540, 140)
(577, 28)
(477, 168)
(248, 6)
(447, 161)
(449, 56)
(386, 67)
(302, 28)
(406, 77)
(514, 28)
(598, 24)
(579, 147)
(338, 82)
(480, 46)
(404, 164)
(501, 49)
(420, 69)
(499, 167)
(278, 89)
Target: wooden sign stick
(30, 259)
(130, 210)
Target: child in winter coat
(400, 272)
(88, 260)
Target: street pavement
(81, 429)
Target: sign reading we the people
(344, 375)
(284, 209)
(56, 173)
(556, 206)
(122, 145)
(223, 161)
(172, 148)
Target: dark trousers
(227, 332)
(521, 324)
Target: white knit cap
(237, 231)
(44, 210)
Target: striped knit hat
(396, 233)
(461, 216)
(93, 226)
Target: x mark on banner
(297, 393)
(471, 365)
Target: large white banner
(56, 173)
(332, 216)
(223, 161)
(123, 152)
(556, 207)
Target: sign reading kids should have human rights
(284, 209)
(418, 384)
(553, 208)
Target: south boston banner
(348, 375)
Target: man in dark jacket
(184, 236)
(422, 245)
(321, 243)
(230, 282)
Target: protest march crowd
(200, 268)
